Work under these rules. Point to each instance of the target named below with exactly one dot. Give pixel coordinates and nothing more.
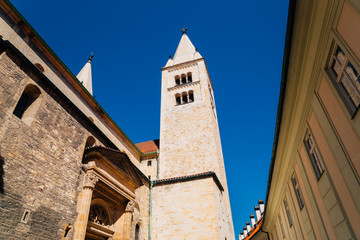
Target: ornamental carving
(99, 215)
(130, 206)
(90, 180)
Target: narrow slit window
(25, 216)
(23, 103)
(287, 210)
(183, 79)
(189, 77)
(314, 156)
(28, 104)
(178, 99)
(184, 98)
(137, 232)
(298, 193)
(191, 96)
(177, 80)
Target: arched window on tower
(184, 98)
(178, 99)
(183, 78)
(191, 96)
(28, 104)
(177, 80)
(137, 232)
(189, 77)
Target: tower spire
(90, 57)
(85, 76)
(185, 51)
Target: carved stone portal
(99, 215)
(90, 180)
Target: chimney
(248, 226)
(252, 220)
(257, 213)
(245, 231)
(262, 206)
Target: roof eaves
(138, 171)
(284, 73)
(189, 178)
(9, 45)
(68, 70)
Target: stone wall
(141, 215)
(11, 32)
(190, 141)
(40, 163)
(189, 136)
(149, 171)
(185, 210)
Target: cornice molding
(180, 66)
(181, 86)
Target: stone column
(124, 225)
(80, 225)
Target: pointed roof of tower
(85, 77)
(185, 51)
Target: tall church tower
(191, 199)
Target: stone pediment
(119, 160)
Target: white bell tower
(191, 192)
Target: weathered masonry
(67, 171)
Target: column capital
(90, 180)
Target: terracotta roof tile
(254, 230)
(149, 146)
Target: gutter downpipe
(157, 164)
(151, 187)
(150, 207)
(284, 75)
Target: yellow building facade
(314, 184)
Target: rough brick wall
(40, 164)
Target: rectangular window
(281, 227)
(297, 190)
(314, 156)
(345, 78)
(149, 163)
(288, 213)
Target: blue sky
(241, 41)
